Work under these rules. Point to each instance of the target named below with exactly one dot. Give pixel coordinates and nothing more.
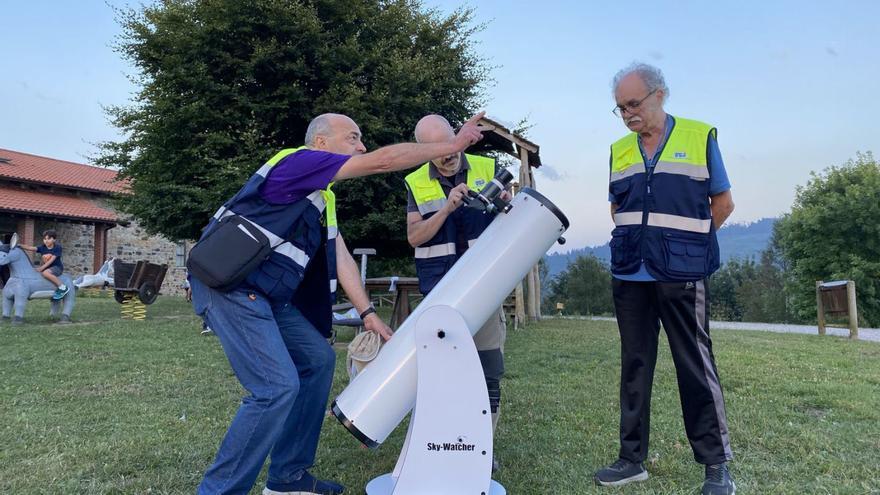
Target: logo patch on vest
(479, 182)
(681, 154)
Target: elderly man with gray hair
(669, 195)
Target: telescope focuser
(489, 199)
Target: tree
(584, 288)
(724, 285)
(746, 290)
(762, 297)
(833, 233)
(224, 84)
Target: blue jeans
(287, 367)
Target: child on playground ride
(51, 266)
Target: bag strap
(274, 241)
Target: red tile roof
(42, 170)
(17, 200)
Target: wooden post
(526, 181)
(520, 306)
(820, 310)
(100, 248)
(536, 268)
(851, 309)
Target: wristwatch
(367, 312)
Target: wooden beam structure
(528, 293)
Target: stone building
(39, 193)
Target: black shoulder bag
(224, 257)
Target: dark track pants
(683, 309)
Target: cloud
(551, 173)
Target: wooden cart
(143, 278)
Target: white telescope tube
(385, 391)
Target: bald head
(335, 133)
(433, 129)
(436, 129)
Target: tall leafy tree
(584, 288)
(225, 83)
(833, 233)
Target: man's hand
(470, 133)
(375, 324)
(455, 197)
(505, 196)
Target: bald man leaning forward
(441, 231)
(273, 325)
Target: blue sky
(791, 86)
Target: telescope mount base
(448, 448)
(384, 485)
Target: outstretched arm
(407, 155)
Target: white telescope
(431, 357)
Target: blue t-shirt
(56, 250)
(718, 183)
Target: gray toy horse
(25, 283)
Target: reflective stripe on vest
(664, 220)
(688, 169)
(636, 168)
(679, 222)
(435, 251)
(628, 218)
(431, 206)
(282, 247)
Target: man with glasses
(669, 194)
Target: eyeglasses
(631, 106)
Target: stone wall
(132, 244)
(77, 241)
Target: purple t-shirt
(299, 174)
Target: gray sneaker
(620, 473)
(718, 480)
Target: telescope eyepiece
(489, 196)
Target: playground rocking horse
(26, 283)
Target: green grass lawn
(107, 406)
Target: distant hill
(735, 240)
